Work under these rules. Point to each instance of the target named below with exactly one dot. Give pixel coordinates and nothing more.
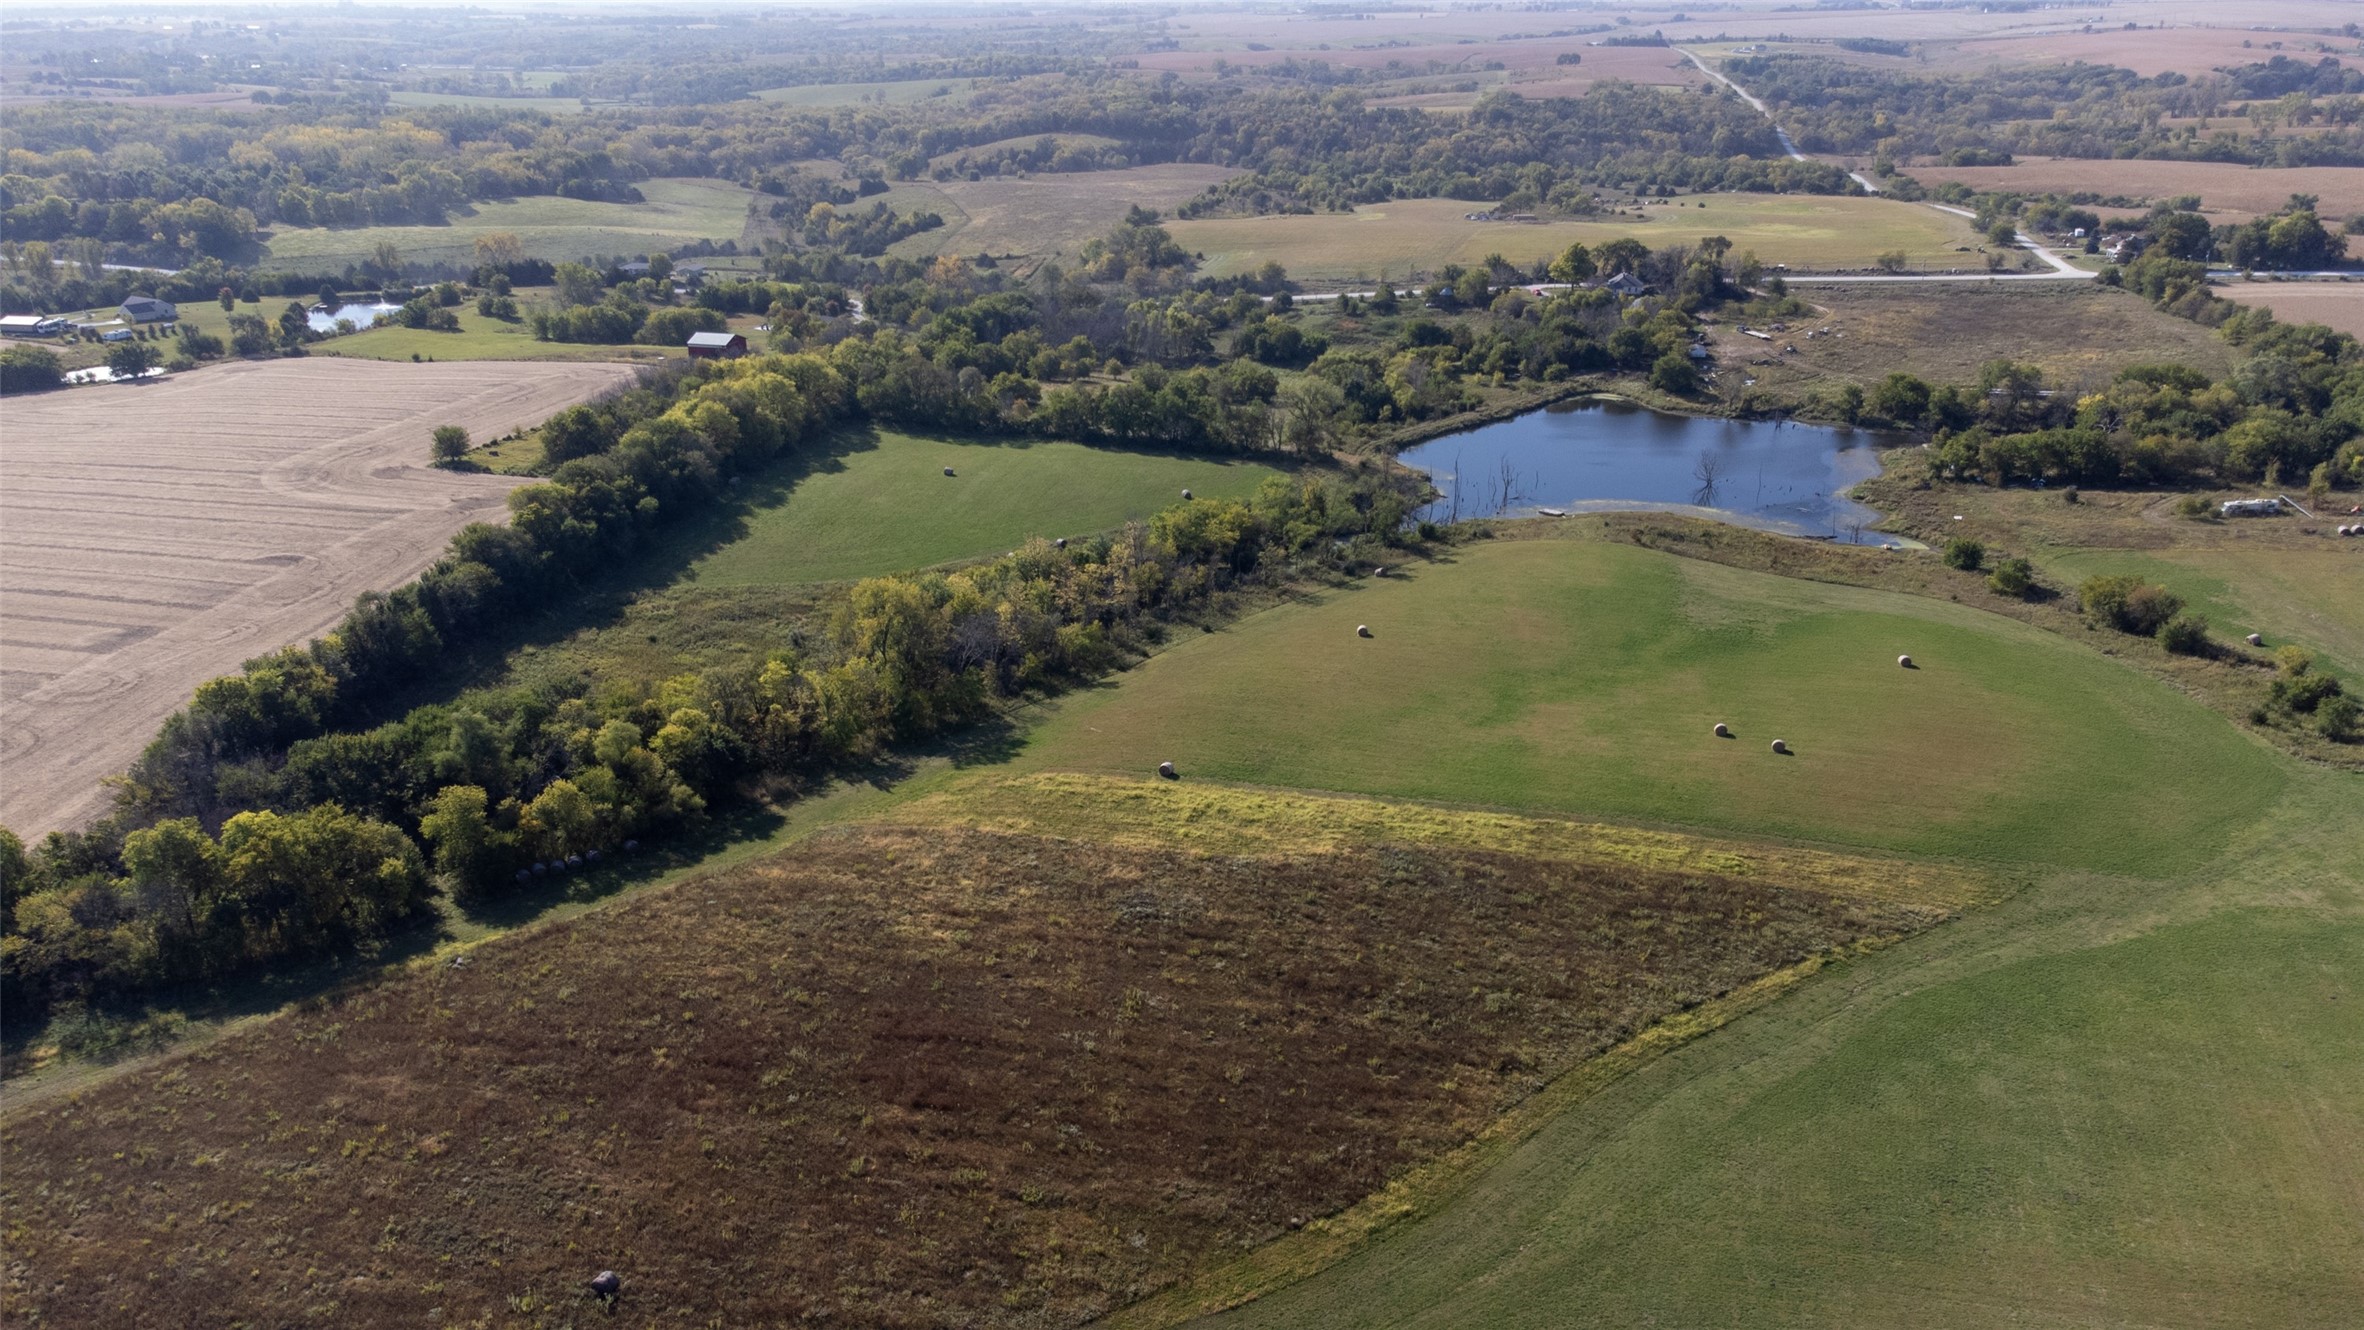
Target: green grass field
(675, 210)
(2312, 597)
(2100, 1104)
(1576, 677)
(1424, 235)
(885, 505)
(479, 338)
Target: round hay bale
(1166, 769)
(1904, 662)
(2255, 639)
(1186, 494)
(1380, 571)
(1362, 630)
(948, 471)
(1781, 745)
(1723, 731)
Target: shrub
(2293, 660)
(2185, 635)
(2013, 577)
(2194, 505)
(2338, 717)
(1672, 373)
(26, 369)
(2304, 694)
(1964, 554)
(2129, 604)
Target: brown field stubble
(911, 1077)
(2227, 190)
(158, 535)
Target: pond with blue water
(1600, 454)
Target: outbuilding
(148, 309)
(31, 325)
(717, 345)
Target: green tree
(1672, 373)
(449, 445)
(1893, 261)
(560, 821)
(26, 369)
(470, 852)
(578, 285)
(1900, 398)
(1965, 554)
(132, 360)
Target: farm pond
(1603, 454)
(360, 315)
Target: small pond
(1601, 454)
(325, 321)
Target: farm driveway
(154, 537)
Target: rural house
(148, 309)
(716, 345)
(1625, 284)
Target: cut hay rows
(152, 538)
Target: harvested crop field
(157, 536)
(904, 1078)
(2337, 304)
(2227, 190)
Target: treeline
(2290, 414)
(339, 838)
(2077, 110)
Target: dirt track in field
(157, 536)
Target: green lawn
(675, 210)
(885, 505)
(1576, 677)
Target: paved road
(2057, 268)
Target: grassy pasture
(1044, 216)
(479, 338)
(2103, 1103)
(1565, 676)
(953, 91)
(547, 105)
(2314, 598)
(1424, 235)
(2085, 334)
(882, 504)
(675, 210)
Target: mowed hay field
(1043, 216)
(883, 504)
(2338, 305)
(1424, 235)
(2227, 190)
(1574, 676)
(549, 227)
(155, 536)
(898, 1077)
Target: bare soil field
(2227, 190)
(909, 1077)
(2338, 305)
(2192, 51)
(154, 537)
